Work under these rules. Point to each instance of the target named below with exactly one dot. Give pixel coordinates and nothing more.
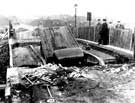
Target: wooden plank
(45, 43)
(134, 44)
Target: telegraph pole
(134, 44)
(76, 29)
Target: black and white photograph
(67, 51)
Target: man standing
(119, 25)
(104, 33)
(97, 30)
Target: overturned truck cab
(32, 51)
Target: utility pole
(134, 44)
(90, 28)
(76, 29)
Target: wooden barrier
(121, 38)
(118, 37)
(83, 32)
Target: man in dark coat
(104, 33)
(97, 30)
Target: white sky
(113, 9)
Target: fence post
(134, 43)
(94, 34)
(110, 31)
(89, 29)
(131, 42)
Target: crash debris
(57, 80)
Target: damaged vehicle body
(44, 61)
(33, 54)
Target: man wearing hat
(97, 30)
(104, 33)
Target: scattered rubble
(95, 84)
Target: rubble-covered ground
(109, 84)
(116, 85)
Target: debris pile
(95, 84)
(4, 62)
(52, 74)
(65, 81)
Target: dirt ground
(110, 84)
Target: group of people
(102, 30)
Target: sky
(122, 10)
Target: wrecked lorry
(37, 58)
(45, 62)
(50, 45)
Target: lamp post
(76, 31)
(75, 14)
